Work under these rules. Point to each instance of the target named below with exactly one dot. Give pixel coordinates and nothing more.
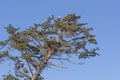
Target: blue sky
(102, 15)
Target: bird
(58, 19)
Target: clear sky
(102, 15)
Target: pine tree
(54, 39)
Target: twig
(29, 67)
(49, 63)
(67, 60)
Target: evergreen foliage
(42, 42)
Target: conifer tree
(54, 39)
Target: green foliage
(48, 40)
(10, 29)
(10, 77)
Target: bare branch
(49, 63)
(30, 69)
(66, 59)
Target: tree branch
(24, 74)
(43, 63)
(30, 69)
(49, 63)
(67, 60)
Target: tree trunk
(42, 65)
